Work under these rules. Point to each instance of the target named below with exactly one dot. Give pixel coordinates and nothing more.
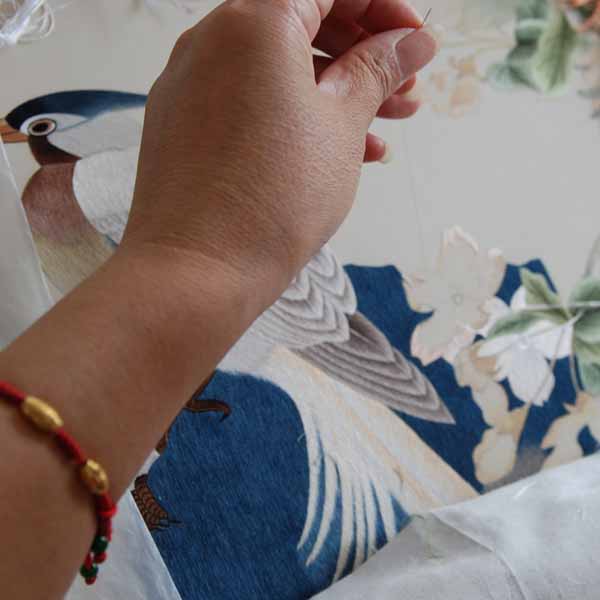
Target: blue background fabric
(236, 490)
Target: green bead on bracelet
(100, 544)
(89, 572)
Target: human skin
(251, 155)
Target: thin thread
(571, 305)
(185, 5)
(573, 374)
(413, 191)
(592, 260)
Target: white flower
(478, 373)
(495, 456)
(456, 89)
(456, 290)
(523, 357)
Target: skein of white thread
(23, 21)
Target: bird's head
(48, 116)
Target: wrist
(139, 337)
(186, 287)
(242, 281)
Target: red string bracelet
(46, 419)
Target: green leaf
(545, 44)
(587, 328)
(587, 290)
(517, 322)
(586, 352)
(503, 77)
(553, 60)
(520, 61)
(529, 31)
(532, 9)
(538, 292)
(590, 377)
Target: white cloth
(538, 539)
(134, 570)
(24, 296)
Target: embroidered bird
(63, 130)
(346, 378)
(87, 148)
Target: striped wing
(367, 362)
(317, 318)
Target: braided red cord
(70, 447)
(104, 506)
(11, 393)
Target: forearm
(118, 358)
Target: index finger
(377, 16)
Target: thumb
(370, 72)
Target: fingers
(404, 103)
(335, 37)
(377, 15)
(374, 69)
(408, 85)
(376, 150)
(374, 15)
(322, 62)
(400, 106)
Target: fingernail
(417, 13)
(437, 32)
(414, 95)
(388, 155)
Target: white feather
(103, 185)
(108, 131)
(367, 458)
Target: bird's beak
(10, 135)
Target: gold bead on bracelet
(41, 414)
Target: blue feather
(86, 103)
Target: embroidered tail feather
(368, 363)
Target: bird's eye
(41, 127)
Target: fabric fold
(24, 293)
(537, 539)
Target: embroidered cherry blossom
(456, 291)
(456, 90)
(479, 374)
(524, 358)
(496, 455)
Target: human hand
(253, 147)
